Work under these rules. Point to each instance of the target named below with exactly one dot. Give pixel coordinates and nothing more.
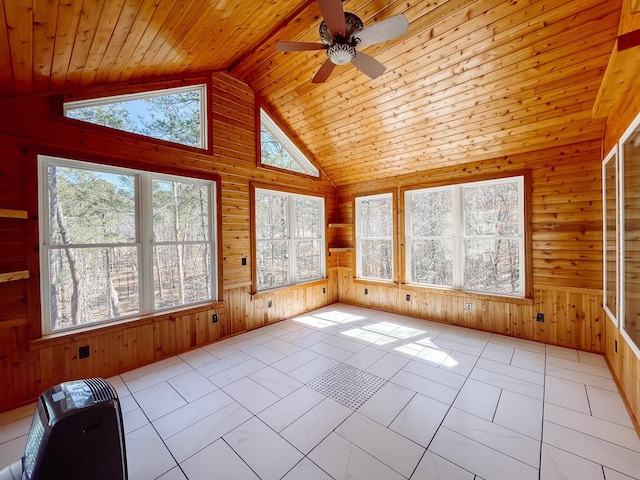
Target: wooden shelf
(7, 213)
(340, 225)
(340, 249)
(12, 276)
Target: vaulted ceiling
(472, 80)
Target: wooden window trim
(261, 105)
(57, 112)
(253, 186)
(34, 307)
(527, 292)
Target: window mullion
(458, 233)
(292, 241)
(144, 232)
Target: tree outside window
(289, 231)
(111, 251)
(468, 237)
(374, 237)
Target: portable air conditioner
(76, 434)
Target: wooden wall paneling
(624, 363)
(566, 253)
(28, 129)
(6, 67)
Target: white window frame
(635, 125)
(292, 242)
(360, 238)
(459, 235)
(144, 242)
(115, 99)
(613, 311)
(291, 148)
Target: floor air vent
(347, 385)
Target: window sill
(466, 294)
(83, 333)
(310, 283)
(373, 281)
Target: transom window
(277, 150)
(374, 237)
(176, 114)
(116, 242)
(289, 231)
(468, 236)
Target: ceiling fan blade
(299, 46)
(368, 65)
(333, 16)
(384, 30)
(324, 72)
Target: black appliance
(76, 434)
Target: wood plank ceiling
(472, 80)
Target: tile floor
(348, 392)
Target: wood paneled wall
(566, 253)
(30, 126)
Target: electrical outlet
(366, 291)
(214, 318)
(244, 261)
(84, 352)
(408, 297)
(468, 306)
(269, 304)
(539, 317)
(324, 290)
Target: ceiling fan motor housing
(352, 25)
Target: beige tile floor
(349, 392)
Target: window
(277, 150)
(468, 237)
(176, 115)
(629, 212)
(117, 242)
(610, 249)
(289, 232)
(374, 237)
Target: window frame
(358, 237)
(611, 160)
(524, 179)
(622, 215)
(263, 115)
(292, 195)
(110, 95)
(143, 242)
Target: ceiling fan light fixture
(341, 39)
(341, 53)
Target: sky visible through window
(174, 115)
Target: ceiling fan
(341, 32)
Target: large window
(374, 237)
(468, 236)
(176, 115)
(629, 211)
(289, 232)
(117, 242)
(277, 150)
